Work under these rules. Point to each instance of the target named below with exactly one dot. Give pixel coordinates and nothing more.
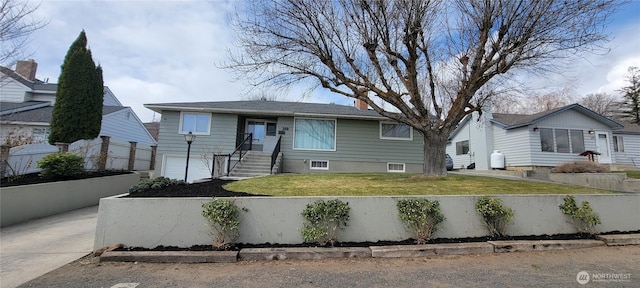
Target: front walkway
(31, 249)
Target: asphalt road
(520, 269)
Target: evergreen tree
(77, 113)
(631, 94)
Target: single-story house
(310, 138)
(546, 139)
(26, 108)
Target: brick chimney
(27, 69)
(361, 105)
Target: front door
(603, 147)
(264, 134)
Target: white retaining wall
(22, 203)
(150, 222)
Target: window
(197, 123)
(319, 165)
(395, 131)
(271, 129)
(40, 135)
(562, 141)
(566, 141)
(577, 141)
(546, 140)
(618, 144)
(314, 134)
(395, 167)
(462, 147)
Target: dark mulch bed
(212, 188)
(35, 178)
(238, 246)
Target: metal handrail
(239, 149)
(274, 154)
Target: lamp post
(189, 138)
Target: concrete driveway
(31, 249)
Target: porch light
(591, 132)
(189, 138)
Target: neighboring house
(26, 106)
(314, 137)
(542, 140)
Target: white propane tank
(497, 160)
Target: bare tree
(17, 23)
(631, 94)
(429, 60)
(602, 103)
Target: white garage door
(174, 166)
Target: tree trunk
(434, 154)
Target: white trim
(335, 135)
(318, 168)
(394, 138)
(404, 167)
(194, 132)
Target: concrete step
(402, 251)
(171, 256)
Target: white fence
(23, 159)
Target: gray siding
(356, 141)
(223, 135)
(124, 125)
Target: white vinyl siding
(197, 123)
(118, 125)
(631, 154)
(314, 134)
(395, 131)
(12, 90)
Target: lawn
(633, 174)
(389, 184)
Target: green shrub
(61, 165)
(223, 219)
(154, 184)
(420, 216)
(323, 219)
(583, 218)
(495, 215)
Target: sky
(171, 51)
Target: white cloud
(167, 51)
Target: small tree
(631, 94)
(77, 113)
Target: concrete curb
(542, 245)
(620, 239)
(397, 251)
(315, 253)
(170, 256)
(408, 251)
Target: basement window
(319, 165)
(395, 167)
